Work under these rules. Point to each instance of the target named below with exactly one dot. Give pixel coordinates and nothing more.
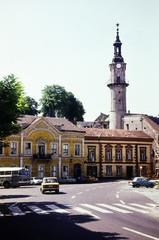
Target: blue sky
(70, 43)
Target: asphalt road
(111, 210)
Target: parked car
(49, 184)
(67, 179)
(89, 179)
(35, 180)
(142, 182)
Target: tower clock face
(118, 65)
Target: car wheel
(151, 186)
(57, 191)
(6, 184)
(43, 191)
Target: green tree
(56, 101)
(74, 110)
(31, 106)
(11, 103)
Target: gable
(41, 125)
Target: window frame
(54, 170)
(91, 149)
(67, 172)
(108, 172)
(54, 144)
(65, 152)
(108, 153)
(41, 144)
(25, 153)
(129, 153)
(143, 155)
(119, 169)
(13, 154)
(118, 153)
(78, 149)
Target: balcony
(38, 156)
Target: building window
(118, 79)
(65, 171)
(108, 153)
(127, 126)
(118, 171)
(54, 150)
(29, 167)
(41, 170)
(92, 153)
(54, 171)
(77, 149)
(143, 156)
(129, 153)
(1, 148)
(27, 148)
(118, 153)
(109, 170)
(13, 148)
(65, 149)
(41, 149)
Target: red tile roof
(61, 124)
(117, 133)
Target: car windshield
(50, 180)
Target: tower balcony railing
(110, 82)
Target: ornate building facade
(46, 146)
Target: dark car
(67, 179)
(88, 179)
(142, 182)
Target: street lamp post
(140, 171)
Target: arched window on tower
(118, 79)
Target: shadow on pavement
(13, 196)
(49, 226)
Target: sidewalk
(153, 194)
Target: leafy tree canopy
(31, 106)
(56, 101)
(11, 103)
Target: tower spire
(117, 33)
(117, 47)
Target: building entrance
(77, 170)
(129, 172)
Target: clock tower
(117, 85)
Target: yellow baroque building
(117, 153)
(46, 146)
